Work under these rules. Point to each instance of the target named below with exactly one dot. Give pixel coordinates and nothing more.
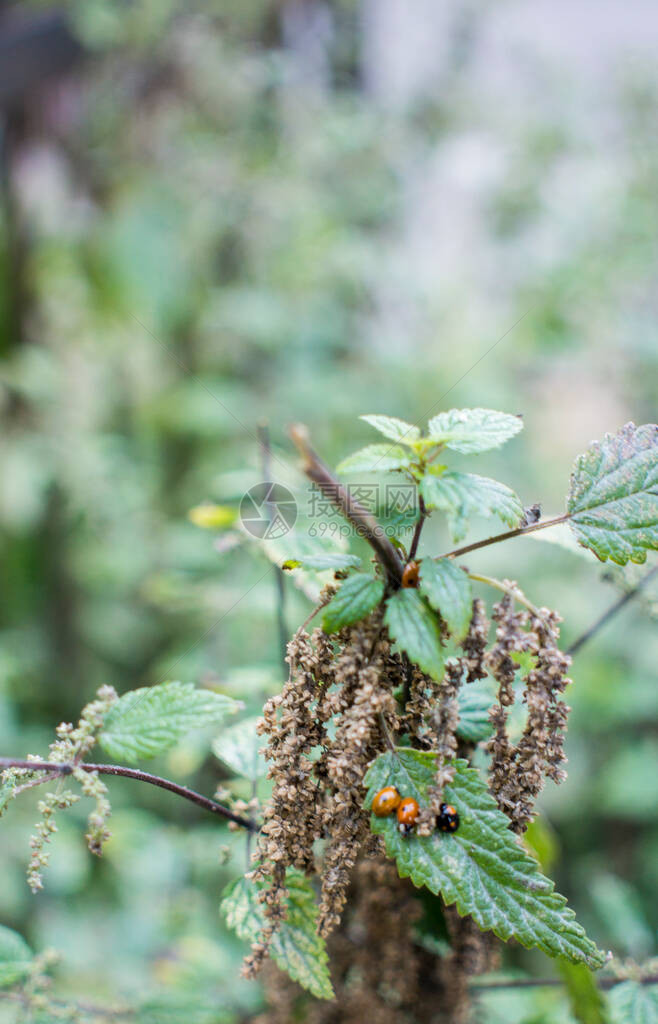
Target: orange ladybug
(410, 574)
(386, 801)
(407, 814)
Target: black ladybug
(448, 819)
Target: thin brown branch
(266, 455)
(365, 524)
(422, 516)
(604, 983)
(519, 532)
(135, 773)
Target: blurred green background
(219, 213)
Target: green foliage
(613, 499)
(632, 1003)
(588, 1004)
(323, 561)
(475, 700)
(238, 747)
(296, 947)
(375, 458)
(482, 868)
(393, 428)
(448, 590)
(472, 431)
(357, 596)
(462, 495)
(16, 957)
(151, 720)
(415, 628)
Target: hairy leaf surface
(375, 458)
(238, 747)
(358, 596)
(296, 947)
(462, 495)
(473, 430)
(613, 499)
(395, 429)
(481, 868)
(632, 1003)
(150, 720)
(448, 590)
(415, 628)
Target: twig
(422, 516)
(266, 452)
(134, 773)
(366, 525)
(611, 612)
(514, 592)
(604, 983)
(519, 532)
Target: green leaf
(321, 562)
(238, 747)
(473, 430)
(415, 628)
(462, 495)
(375, 458)
(15, 957)
(588, 1004)
(475, 700)
(395, 429)
(481, 868)
(150, 720)
(448, 590)
(613, 498)
(632, 1003)
(358, 595)
(296, 947)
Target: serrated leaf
(238, 747)
(358, 596)
(448, 590)
(296, 947)
(392, 427)
(15, 957)
(375, 458)
(613, 498)
(481, 868)
(321, 562)
(415, 628)
(475, 700)
(632, 1003)
(462, 495)
(150, 720)
(471, 431)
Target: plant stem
(422, 516)
(514, 592)
(134, 773)
(604, 983)
(519, 532)
(365, 524)
(266, 452)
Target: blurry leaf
(375, 458)
(238, 747)
(357, 596)
(7, 791)
(462, 495)
(150, 720)
(213, 517)
(395, 429)
(475, 700)
(296, 947)
(448, 590)
(321, 562)
(620, 909)
(15, 957)
(613, 498)
(626, 783)
(632, 1003)
(481, 868)
(473, 430)
(561, 536)
(542, 842)
(587, 1002)
(415, 628)
(173, 1007)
